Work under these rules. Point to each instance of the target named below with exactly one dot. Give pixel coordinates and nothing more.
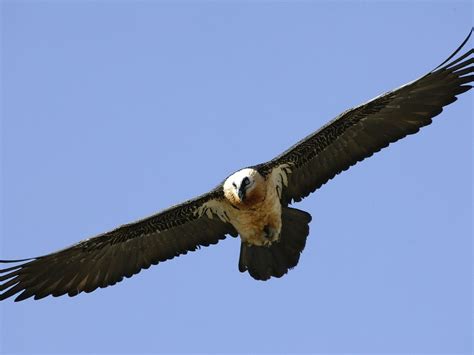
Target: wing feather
(106, 259)
(362, 131)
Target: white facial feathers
(244, 176)
(240, 183)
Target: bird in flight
(253, 203)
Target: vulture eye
(233, 184)
(246, 181)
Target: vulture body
(253, 202)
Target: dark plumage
(358, 133)
(264, 262)
(353, 136)
(107, 258)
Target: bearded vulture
(253, 202)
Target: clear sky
(112, 111)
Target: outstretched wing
(361, 131)
(105, 259)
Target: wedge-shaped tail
(263, 262)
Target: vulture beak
(241, 192)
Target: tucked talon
(268, 231)
(270, 234)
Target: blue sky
(112, 111)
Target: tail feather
(264, 262)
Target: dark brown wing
(105, 259)
(361, 131)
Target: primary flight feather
(253, 202)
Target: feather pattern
(106, 259)
(360, 132)
(354, 135)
